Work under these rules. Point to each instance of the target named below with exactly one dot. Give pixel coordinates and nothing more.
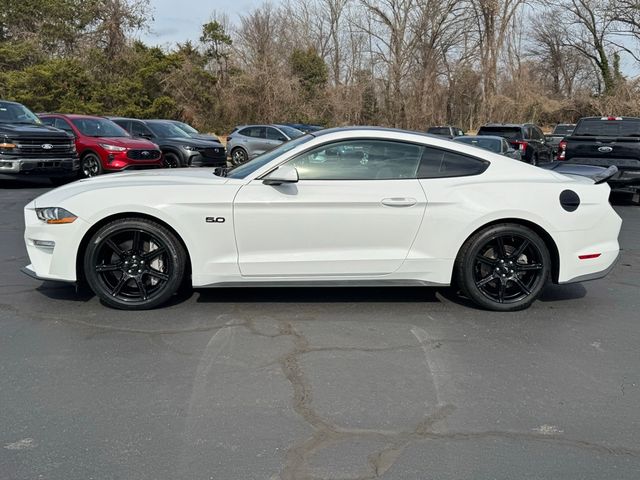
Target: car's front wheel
(90, 165)
(503, 267)
(134, 264)
(239, 156)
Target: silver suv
(248, 141)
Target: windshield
(98, 127)
(608, 128)
(491, 144)
(16, 113)
(166, 129)
(242, 171)
(563, 129)
(510, 133)
(186, 127)
(290, 131)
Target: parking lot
(396, 383)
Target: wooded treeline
(403, 63)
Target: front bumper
(197, 159)
(52, 249)
(39, 167)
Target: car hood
(146, 178)
(31, 130)
(206, 138)
(128, 142)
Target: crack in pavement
(379, 462)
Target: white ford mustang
(353, 206)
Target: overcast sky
(181, 20)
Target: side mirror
(283, 174)
(283, 139)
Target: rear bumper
(594, 275)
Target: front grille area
(43, 147)
(213, 152)
(143, 154)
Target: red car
(103, 146)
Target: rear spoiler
(605, 175)
(596, 173)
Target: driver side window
(360, 160)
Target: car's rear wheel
(90, 165)
(134, 264)
(171, 160)
(503, 267)
(239, 156)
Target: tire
(90, 165)
(239, 156)
(123, 269)
(503, 267)
(171, 160)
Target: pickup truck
(606, 141)
(559, 132)
(30, 149)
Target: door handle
(399, 202)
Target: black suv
(30, 149)
(179, 149)
(527, 137)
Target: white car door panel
(327, 227)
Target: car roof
(70, 116)
(509, 125)
(484, 137)
(328, 131)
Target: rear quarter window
(436, 163)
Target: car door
(355, 211)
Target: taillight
(520, 145)
(562, 150)
(610, 118)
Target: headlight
(191, 148)
(112, 148)
(54, 215)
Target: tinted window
(123, 124)
(254, 132)
(359, 160)
(563, 129)
(291, 132)
(536, 133)
(438, 163)
(491, 144)
(608, 128)
(99, 127)
(439, 131)
(510, 133)
(138, 129)
(186, 127)
(273, 134)
(63, 125)
(167, 129)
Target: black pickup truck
(606, 141)
(30, 149)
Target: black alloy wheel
(504, 267)
(90, 165)
(171, 160)
(134, 264)
(239, 156)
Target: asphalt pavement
(362, 383)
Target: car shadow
(317, 294)
(26, 183)
(624, 199)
